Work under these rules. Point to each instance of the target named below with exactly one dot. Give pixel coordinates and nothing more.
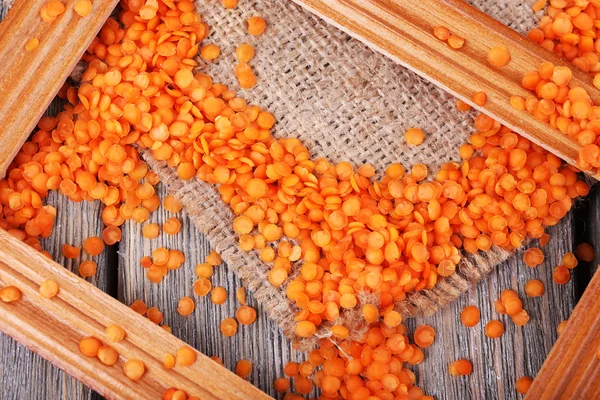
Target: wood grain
(53, 329)
(403, 30)
(261, 342)
(498, 363)
(30, 79)
(572, 369)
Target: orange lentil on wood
(214, 258)
(69, 251)
(49, 289)
(139, 307)
(115, 333)
(585, 252)
(185, 356)
(186, 306)
(218, 295)
(424, 336)
(169, 361)
(107, 355)
(93, 245)
(151, 231)
(561, 326)
(498, 56)
(32, 44)
(522, 384)
(281, 385)
(494, 329)
(441, 32)
(569, 260)
(561, 275)
(89, 346)
(534, 288)
(480, 98)
(533, 257)
(240, 295)
(9, 294)
(243, 368)
(154, 315)
(470, 316)
(111, 235)
(455, 41)
(171, 204)
(172, 226)
(228, 327)
(245, 315)
(461, 367)
(134, 369)
(88, 268)
(83, 8)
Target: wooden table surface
(497, 363)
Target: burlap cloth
(347, 103)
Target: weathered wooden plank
(497, 363)
(262, 342)
(25, 374)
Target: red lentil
(534, 288)
(461, 367)
(585, 252)
(243, 369)
(9, 294)
(185, 356)
(494, 329)
(256, 26)
(134, 369)
(522, 385)
(115, 333)
(90, 346)
(470, 316)
(49, 289)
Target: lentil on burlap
(345, 102)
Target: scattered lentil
(185, 356)
(585, 252)
(534, 288)
(461, 367)
(186, 306)
(9, 294)
(470, 316)
(114, 333)
(134, 369)
(494, 329)
(498, 56)
(88, 268)
(107, 355)
(243, 369)
(218, 295)
(228, 327)
(90, 346)
(245, 315)
(32, 44)
(49, 289)
(522, 385)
